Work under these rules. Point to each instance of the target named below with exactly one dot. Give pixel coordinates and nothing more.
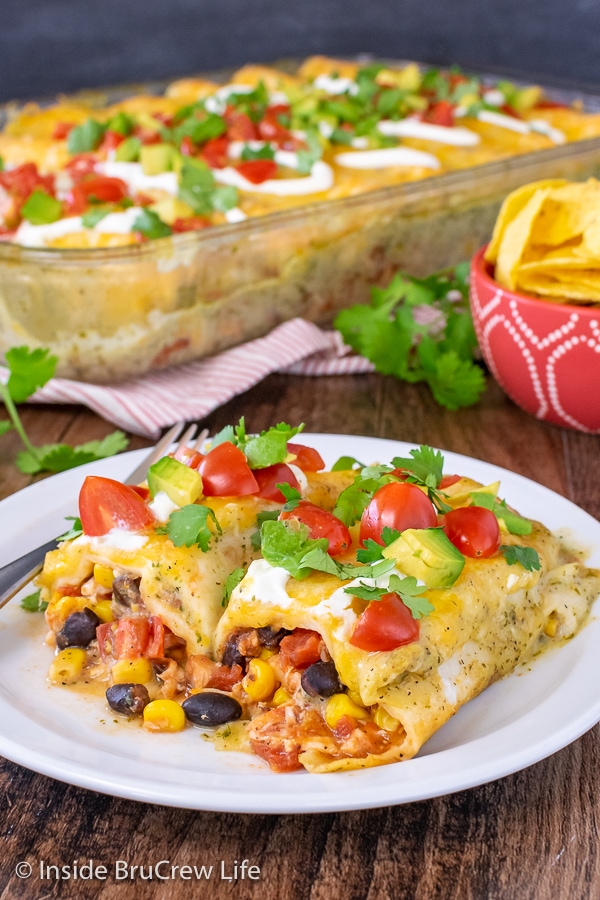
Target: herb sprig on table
(420, 329)
(30, 370)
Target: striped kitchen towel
(148, 404)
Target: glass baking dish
(114, 314)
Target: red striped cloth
(146, 405)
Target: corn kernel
(60, 608)
(551, 626)
(280, 697)
(356, 698)
(67, 666)
(103, 610)
(136, 671)
(266, 653)
(164, 715)
(384, 720)
(103, 576)
(259, 683)
(341, 705)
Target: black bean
(126, 590)
(270, 638)
(231, 652)
(128, 699)
(79, 629)
(210, 708)
(321, 680)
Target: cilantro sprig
(190, 525)
(420, 330)
(286, 545)
(262, 450)
(34, 603)
(525, 556)
(231, 582)
(425, 468)
(408, 589)
(30, 370)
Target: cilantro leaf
(150, 224)
(366, 591)
(33, 603)
(420, 330)
(372, 550)
(190, 525)
(354, 499)
(267, 515)
(426, 465)
(292, 496)
(525, 556)
(346, 463)
(93, 216)
(29, 370)
(265, 152)
(74, 531)
(60, 457)
(5, 426)
(231, 582)
(270, 446)
(410, 593)
(85, 137)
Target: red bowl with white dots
(544, 355)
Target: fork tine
(200, 439)
(156, 452)
(187, 436)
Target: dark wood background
(64, 45)
(530, 836)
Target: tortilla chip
(511, 207)
(516, 238)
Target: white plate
(73, 737)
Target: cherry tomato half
(101, 189)
(268, 479)
(396, 505)
(105, 504)
(307, 458)
(473, 530)
(321, 524)
(225, 472)
(257, 170)
(384, 625)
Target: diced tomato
(156, 638)
(61, 130)
(214, 153)
(225, 472)
(144, 492)
(385, 625)
(143, 200)
(268, 479)
(147, 136)
(448, 480)
(474, 530)
(240, 126)
(307, 458)
(23, 180)
(105, 635)
(271, 129)
(321, 524)
(441, 113)
(165, 118)
(105, 504)
(111, 140)
(131, 637)
(81, 165)
(256, 171)
(550, 104)
(101, 189)
(300, 649)
(223, 678)
(190, 223)
(275, 737)
(187, 146)
(397, 505)
(189, 457)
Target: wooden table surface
(531, 835)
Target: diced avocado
(156, 158)
(172, 208)
(180, 483)
(128, 150)
(509, 521)
(148, 122)
(426, 554)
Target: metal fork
(15, 575)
